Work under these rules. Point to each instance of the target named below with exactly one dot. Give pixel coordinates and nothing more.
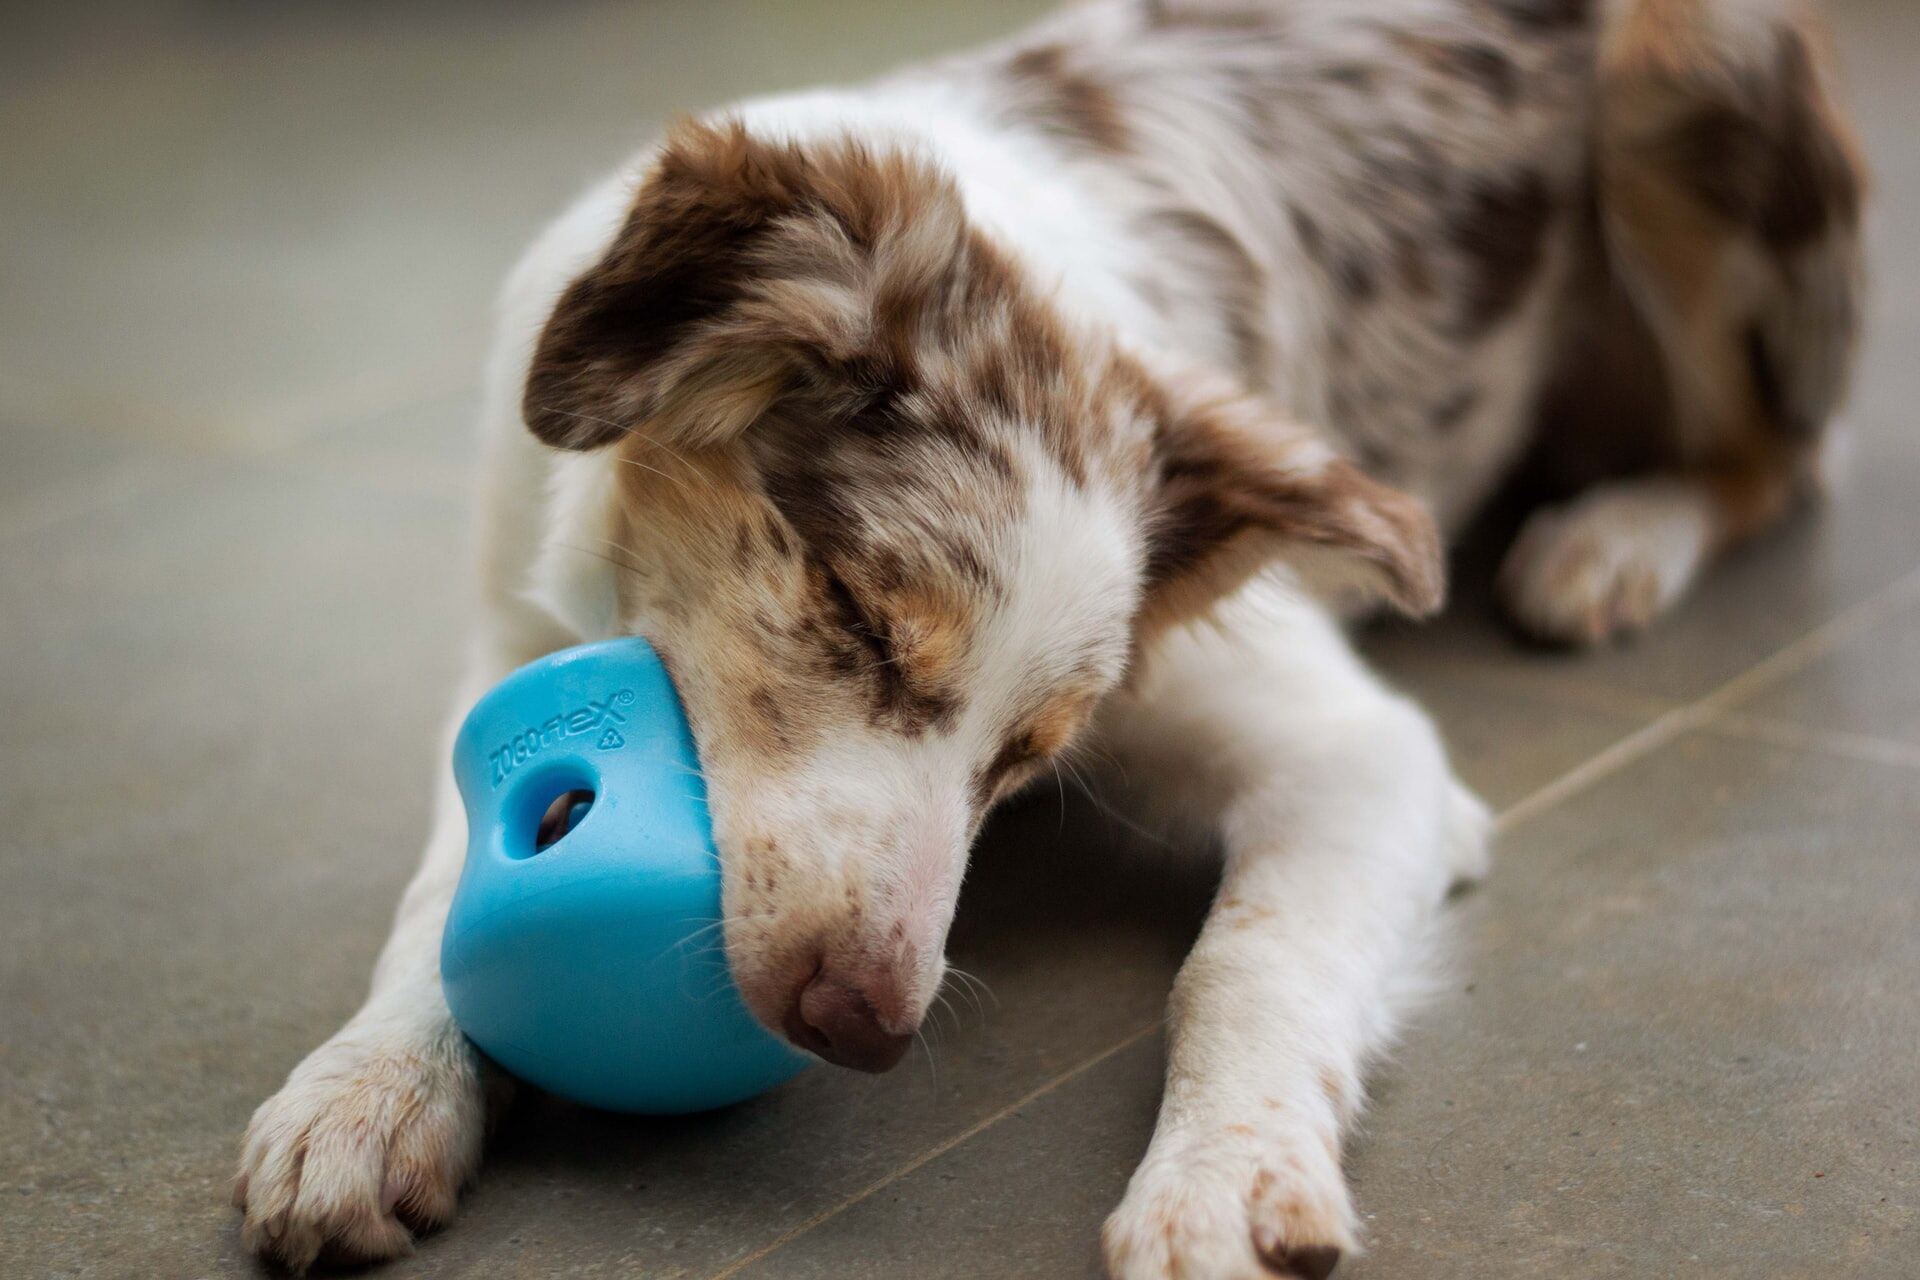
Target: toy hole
(562, 815)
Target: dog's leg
(1343, 828)
(373, 1135)
(1721, 325)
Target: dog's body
(918, 424)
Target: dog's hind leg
(1716, 329)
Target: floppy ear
(746, 271)
(1236, 485)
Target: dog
(1076, 392)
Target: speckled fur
(1069, 392)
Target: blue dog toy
(591, 964)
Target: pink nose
(838, 1022)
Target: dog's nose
(838, 1022)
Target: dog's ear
(747, 271)
(1235, 485)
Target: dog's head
(896, 526)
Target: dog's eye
(858, 623)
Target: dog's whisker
(974, 981)
(942, 998)
(674, 455)
(933, 1069)
(1061, 785)
(601, 555)
(674, 480)
(578, 416)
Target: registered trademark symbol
(623, 697)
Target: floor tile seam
(1724, 698)
(939, 1149)
(1797, 736)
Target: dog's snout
(836, 1020)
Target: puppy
(1071, 392)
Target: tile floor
(245, 259)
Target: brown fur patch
(1471, 61)
(747, 272)
(1542, 17)
(1066, 100)
(1711, 153)
(1770, 160)
(1499, 228)
(1334, 1086)
(1750, 492)
(1234, 483)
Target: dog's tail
(1730, 186)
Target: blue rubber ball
(582, 950)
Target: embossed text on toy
(529, 742)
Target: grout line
(1800, 737)
(1611, 760)
(1716, 703)
(927, 1157)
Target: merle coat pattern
(1066, 394)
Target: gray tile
(1868, 684)
(219, 698)
(1683, 1041)
(1025, 1198)
(1508, 731)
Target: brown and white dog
(1069, 392)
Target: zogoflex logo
(602, 716)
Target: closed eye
(858, 623)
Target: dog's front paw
(1606, 565)
(1236, 1204)
(365, 1144)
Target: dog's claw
(1306, 1261)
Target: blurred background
(247, 252)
